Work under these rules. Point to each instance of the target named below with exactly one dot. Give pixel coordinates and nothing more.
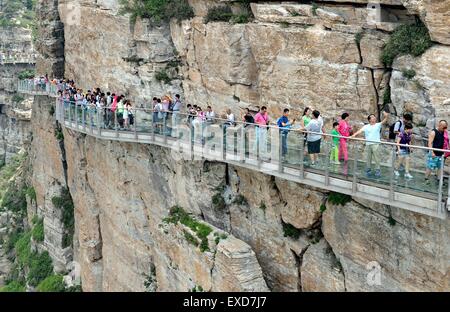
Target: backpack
(392, 134)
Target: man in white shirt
(210, 115)
(372, 134)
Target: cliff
(257, 232)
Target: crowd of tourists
(118, 110)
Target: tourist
(436, 139)
(210, 115)
(176, 110)
(399, 126)
(248, 118)
(261, 120)
(230, 118)
(306, 117)
(125, 115)
(334, 154)
(284, 125)
(344, 130)
(120, 109)
(403, 151)
(315, 127)
(372, 134)
(154, 110)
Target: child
(334, 154)
(403, 151)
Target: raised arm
(358, 132)
(385, 118)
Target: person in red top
(344, 129)
(261, 120)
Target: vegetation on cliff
(406, 39)
(201, 230)
(17, 13)
(64, 203)
(224, 13)
(158, 11)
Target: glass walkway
(261, 149)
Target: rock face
(16, 56)
(277, 238)
(410, 256)
(50, 41)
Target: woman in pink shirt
(262, 120)
(344, 129)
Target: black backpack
(392, 134)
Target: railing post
(153, 126)
(166, 116)
(84, 118)
(354, 173)
(99, 128)
(302, 155)
(191, 139)
(327, 164)
(90, 120)
(76, 116)
(70, 114)
(116, 123)
(242, 148)
(134, 123)
(280, 151)
(391, 175)
(441, 184)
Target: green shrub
(242, 18)
(290, 231)
(323, 208)
(13, 287)
(51, 110)
(12, 239)
(163, 76)
(391, 221)
(284, 24)
(314, 8)
(65, 204)
(75, 288)
(409, 73)
(16, 98)
(31, 192)
(26, 74)
(40, 268)
(190, 238)
(158, 11)
(23, 249)
(177, 214)
(221, 13)
(240, 200)
(38, 231)
(262, 206)
(338, 198)
(218, 202)
(52, 283)
(406, 39)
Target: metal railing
(37, 87)
(280, 152)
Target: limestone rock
(300, 209)
(377, 256)
(435, 15)
(425, 93)
(321, 270)
(236, 268)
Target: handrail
(274, 127)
